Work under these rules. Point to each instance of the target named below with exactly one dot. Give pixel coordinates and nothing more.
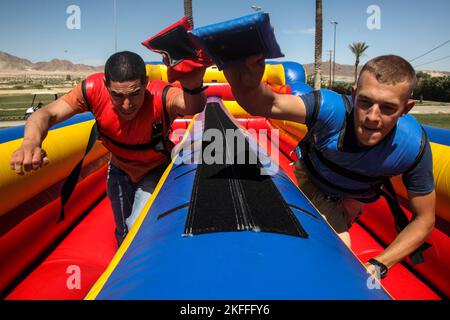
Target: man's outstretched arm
(30, 155)
(415, 233)
(186, 103)
(257, 98)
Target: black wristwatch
(383, 270)
(195, 90)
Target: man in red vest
(133, 116)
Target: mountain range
(10, 64)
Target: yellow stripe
(98, 286)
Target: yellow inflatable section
(274, 74)
(64, 146)
(441, 171)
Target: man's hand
(415, 233)
(257, 98)
(30, 156)
(247, 75)
(193, 79)
(187, 104)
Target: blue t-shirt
(419, 180)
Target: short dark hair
(125, 66)
(391, 69)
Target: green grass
(435, 120)
(23, 101)
(9, 113)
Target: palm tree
(188, 11)
(318, 46)
(358, 49)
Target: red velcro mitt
(179, 48)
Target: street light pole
(334, 52)
(331, 59)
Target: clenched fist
(30, 156)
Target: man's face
(127, 97)
(378, 107)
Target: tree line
(432, 88)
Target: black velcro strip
(236, 197)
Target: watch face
(383, 272)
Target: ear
(354, 89)
(409, 105)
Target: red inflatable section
(223, 91)
(401, 283)
(436, 268)
(75, 265)
(26, 242)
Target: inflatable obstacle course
(39, 251)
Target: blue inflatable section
(294, 72)
(228, 42)
(161, 263)
(438, 135)
(295, 77)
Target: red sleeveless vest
(127, 139)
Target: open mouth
(372, 130)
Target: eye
(388, 109)
(365, 103)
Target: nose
(126, 105)
(373, 113)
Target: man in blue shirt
(353, 144)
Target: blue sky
(36, 30)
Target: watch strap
(382, 267)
